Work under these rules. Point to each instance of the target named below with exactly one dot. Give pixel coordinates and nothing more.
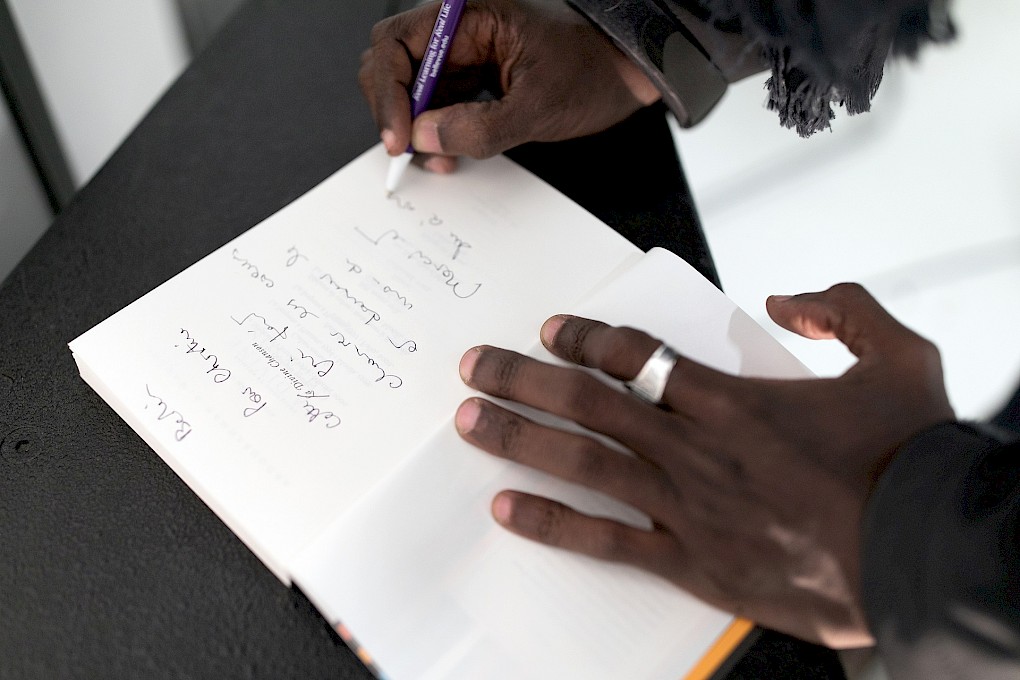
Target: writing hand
(553, 76)
(756, 487)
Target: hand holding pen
(549, 73)
(440, 42)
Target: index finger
(387, 71)
(397, 44)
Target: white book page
(431, 587)
(289, 371)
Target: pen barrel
(435, 54)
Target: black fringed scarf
(826, 52)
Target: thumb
(476, 129)
(846, 312)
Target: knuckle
(928, 352)
(382, 30)
(610, 541)
(922, 356)
(586, 460)
(573, 338)
(582, 398)
(849, 290)
(481, 140)
(549, 525)
(510, 435)
(505, 373)
(620, 348)
(663, 497)
(620, 343)
(366, 77)
(713, 406)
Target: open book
(302, 379)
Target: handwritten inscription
(321, 372)
(388, 235)
(211, 361)
(394, 381)
(294, 256)
(393, 293)
(301, 310)
(353, 300)
(403, 204)
(329, 419)
(458, 245)
(252, 269)
(258, 403)
(165, 413)
(446, 274)
(459, 288)
(409, 345)
(260, 323)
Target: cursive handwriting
(410, 345)
(388, 235)
(255, 398)
(392, 380)
(322, 373)
(446, 273)
(273, 362)
(293, 256)
(458, 244)
(313, 412)
(401, 203)
(301, 310)
(249, 266)
(165, 412)
(256, 318)
(389, 290)
(218, 373)
(354, 301)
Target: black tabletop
(110, 567)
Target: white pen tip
(397, 166)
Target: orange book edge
(721, 650)
(707, 665)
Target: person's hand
(553, 76)
(755, 487)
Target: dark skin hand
(552, 75)
(755, 487)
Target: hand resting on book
(756, 487)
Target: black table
(110, 566)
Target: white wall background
(24, 211)
(918, 200)
(100, 65)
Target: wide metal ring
(650, 382)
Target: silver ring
(650, 382)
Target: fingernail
(467, 363)
(501, 508)
(389, 139)
(550, 328)
(467, 416)
(425, 137)
(780, 298)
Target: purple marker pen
(428, 73)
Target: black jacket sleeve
(941, 556)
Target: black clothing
(941, 556)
